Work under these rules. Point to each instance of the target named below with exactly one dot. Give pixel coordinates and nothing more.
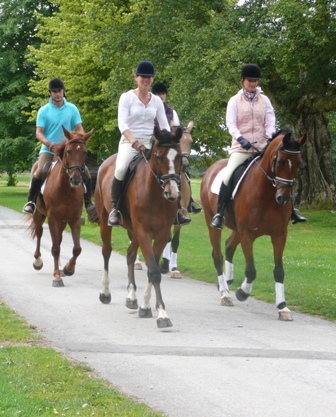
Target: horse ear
(178, 134)
(157, 132)
(66, 133)
(287, 138)
(88, 135)
(301, 141)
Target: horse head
(72, 155)
(166, 161)
(284, 159)
(186, 142)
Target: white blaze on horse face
(174, 191)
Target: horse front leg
(56, 230)
(69, 268)
(105, 234)
(131, 299)
(217, 256)
(279, 243)
(245, 289)
(175, 243)
(38, 220)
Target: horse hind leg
(131, 299)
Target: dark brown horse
(62, 202)
(262, 206)
(169, 260)
(149, 209)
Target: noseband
(69, 169)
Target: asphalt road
(214, 362)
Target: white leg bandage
(229, 271)
(173, 261)
(166, 251)
(247, 288)
(222, 283)
(279, 293)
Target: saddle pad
(215, 186)
(45, 181)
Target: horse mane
(284, 131)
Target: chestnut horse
(169, 259)
(261, 206)
(148, 209)
(62, 202)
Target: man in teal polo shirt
(50, 119)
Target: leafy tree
(17, 135)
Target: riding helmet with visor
(145, 69)
(159, 88)
(251, 71)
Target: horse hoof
(58, 283)
(38, 267)
(67, 272)
(145, 313)
(226, 299)
(241, 295)
(105, 299)
(137, 266)
(164, 322)
(132, 304)
(176, 274)
(164, 270)
(285, 315)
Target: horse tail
(31, 229)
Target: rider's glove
(139, 147)
(244, 143)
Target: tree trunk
(315, 179)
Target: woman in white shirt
(136, 113)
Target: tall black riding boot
(114, 216)
(89, 206)
(180, 218)
(34, 191)
(296, 216)
(223, 198)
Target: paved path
(214, 362)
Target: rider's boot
(35, 186)
(223, 198)
(192, 208)
(296, 216)
(89, 206)
(114, 216)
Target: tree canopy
(198, 49)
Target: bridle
(274, 178)
(69, 169)
(163, 180)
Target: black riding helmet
(251, 71)
(56, 84)
(159, 88)
(146, 69)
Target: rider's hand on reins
(244, 143)
(139, 147)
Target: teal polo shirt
(52, 118)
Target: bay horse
(261, 206)
(62, 202)
(148, 209)
(169, 259)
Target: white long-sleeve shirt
(138, 118)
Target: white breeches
(235, 159)
(125, 155)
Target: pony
(148, 208)
(261, 206)
(169, 259)
(62, 202)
